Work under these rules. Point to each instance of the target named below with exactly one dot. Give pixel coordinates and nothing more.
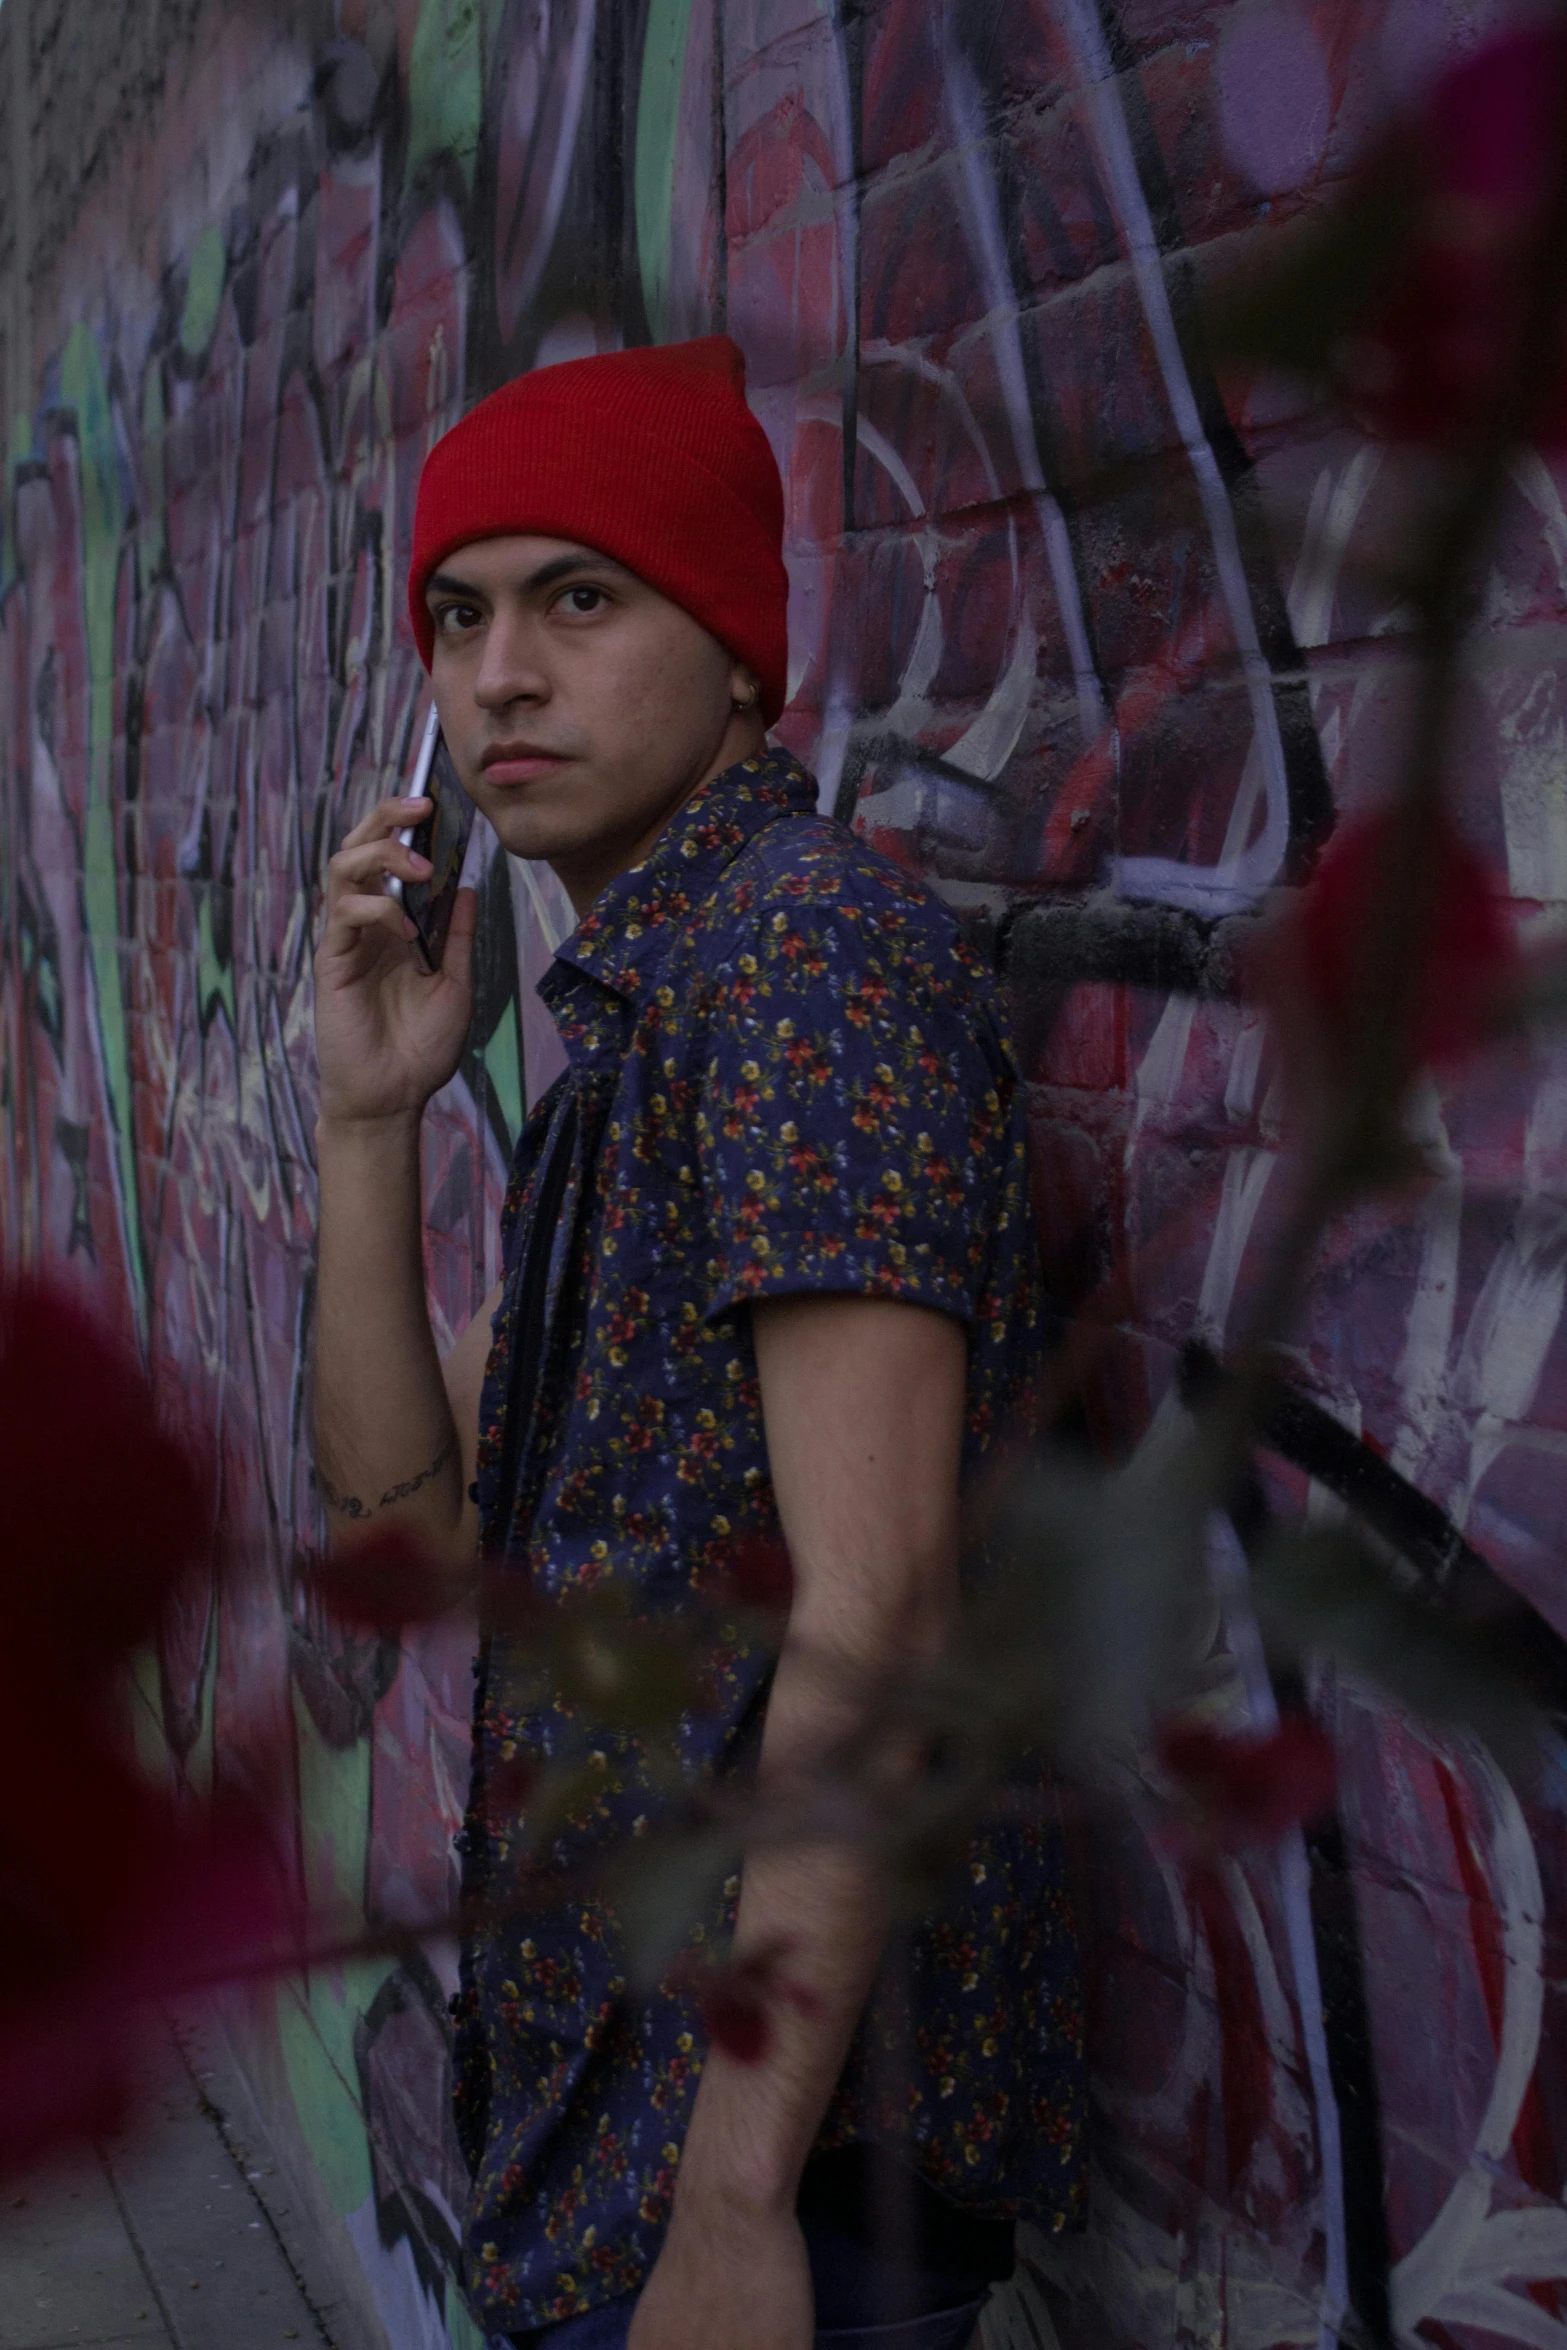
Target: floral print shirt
(787, 1073)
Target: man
(768, 1266)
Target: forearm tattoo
(349, 1505)
(412, 1484)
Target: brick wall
(1092, 647)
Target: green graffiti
(316, 2020)
(51, 999)
(658, 127)
(153, 540)
(214, 977)
(209, 264)
(503, 1066)
(446, 86)
(317, 2014)
(83, 388)
(464, 2333)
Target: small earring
(748, 703)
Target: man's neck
(586, 877)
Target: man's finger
(351, 915)
(385, 817)
(350, 869)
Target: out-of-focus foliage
(112, 1894)
(1413, 297)
(1432, 303)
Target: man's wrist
(720, 2207)
(385, 1130)
(736, 2186)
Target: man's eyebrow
(582, 559)
(446, 583)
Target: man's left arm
(863, 1402)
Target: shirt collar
(629, 927)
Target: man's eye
(452, 619)
(582, 601)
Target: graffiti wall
(1065, 625)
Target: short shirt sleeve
(856, 1134)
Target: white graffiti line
(1112, 140)
(1227, 1566)
(832, 744)
(877, 444)
(1532, 475)
(1157, 1080)
(986, 746)
(875, 351)
(1519, 1309)
(1247, 865)
(1159, 1073)
(1246, 1176)
(982, 225)
(1335, 509)
(1526, 2247)
(1428, 1329)
(911, 708)
(1506, 2314)
(403, 2302)
(1449, 2263)
(578, 66)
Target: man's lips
(519, 763)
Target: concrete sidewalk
(161, 2237)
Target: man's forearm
(822, 1909)
(863, 1400)
(386, 1444)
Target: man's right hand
(389, 1033)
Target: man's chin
(530, 833)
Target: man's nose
(510, 670)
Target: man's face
(580, 706)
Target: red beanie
(651, 456)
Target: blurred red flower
(756, 1573)
(91, 1948)
(380, 1581)
(735, 2014)
(1248, 1791)
(736, 1998)
(107, 1509)
(1481, 164)
(1467, 951)
(508, 1787)
(112, 1895)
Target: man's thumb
(457, 960)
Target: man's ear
(745, 691)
